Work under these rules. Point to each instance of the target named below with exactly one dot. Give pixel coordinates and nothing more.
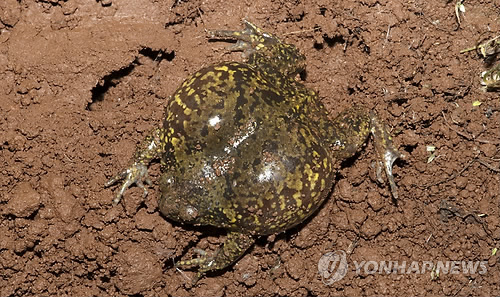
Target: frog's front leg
(350, 129)
(150, 148)
(235, 245)
(385, 150)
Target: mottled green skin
(242, 157)
(246, 147)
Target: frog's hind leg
(350, 130)
(233, 248)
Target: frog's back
(236, 148)
(228, 87)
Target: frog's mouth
(178, 210)
(175, 201)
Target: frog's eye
(191, 212)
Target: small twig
(201, 17)
(483, 47)
(465, 135)
(419, 43)
(474, 159)
(434, 24)
(461, 288)
(388, 33)
(352, 246)
(489, 166)
(469, 49)
(457, 174)
(301, 31)
(69, 158)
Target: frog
(247, 147)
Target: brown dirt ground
(82, 81)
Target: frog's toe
(134, 174)
(204, 263)
(247, 40)
(386, 151)
(195, 261)
(389, 157)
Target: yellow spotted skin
(246, 147)
(236, 145)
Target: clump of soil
(81, 82)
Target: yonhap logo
(421, 267)
(332, 267)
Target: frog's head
(179, 200)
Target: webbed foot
(235, 245)
(248, 40)
(386, 152)
(150, 148)
(134, 174)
